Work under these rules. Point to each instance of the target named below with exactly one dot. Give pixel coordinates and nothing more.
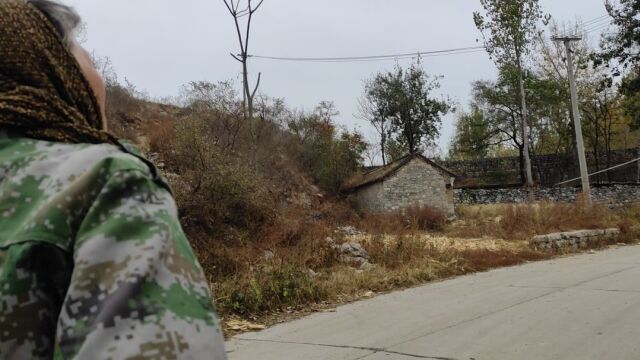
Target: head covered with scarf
(43, 91)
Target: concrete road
(581, 307)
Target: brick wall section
(415, 183)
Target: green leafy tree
(404, 99)
(474, 136)
(508, 28)
(395, 150)
(499, 102)
(631, 100)
(330, 155)
(621, 50)
(624, 45)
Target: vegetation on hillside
(492, 124)
(261, 223)
(258, 189)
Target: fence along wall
(548, 169)
(612, 195)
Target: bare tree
(368, 110)
(238, 12)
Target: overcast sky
(159, 45)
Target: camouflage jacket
(93, 261)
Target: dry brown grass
(521, 222)
(305, 271)
(416, 218)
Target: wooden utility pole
(584, 172)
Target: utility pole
(584, 172)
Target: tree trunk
(525, 128)
(382, 147)
(383, 138)
(523, 176)
(245, 80)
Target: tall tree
(630, 89)
(622, 50)
(414, 115)
(474, 136)
(499, 102)
(374, 107)
(508, 29)
(238, 12)
(624, 45)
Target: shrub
(329, 155)
(426, 218)
(267, 288)
(161, 137)
(216, 191)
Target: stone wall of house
(369, 198)
(415, 183)
(614, 195)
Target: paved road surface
(581, 307)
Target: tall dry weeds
(521, 222)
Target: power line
(454, 51)
(598, 24)
(404, 57)
(590, 28)
(597, 29)
(415, 56)
(591, 25)
(596, 20)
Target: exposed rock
(311, 273)
(331, 242)
(268, 255)
(349, 231)
(354, 261)
(353, 249)
(367, 266)
(352, 253)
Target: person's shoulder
(60, 168)
(67, 162)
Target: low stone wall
(613, 195)
(574, 239)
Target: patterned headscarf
(43, 92)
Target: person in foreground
(93, 261)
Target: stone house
(410, 181)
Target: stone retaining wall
(574, 239)
(613, 195)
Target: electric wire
(598, 29)
(599, 18)
(405, 57)
(371, 57)
(598, 23)
(593, 25)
